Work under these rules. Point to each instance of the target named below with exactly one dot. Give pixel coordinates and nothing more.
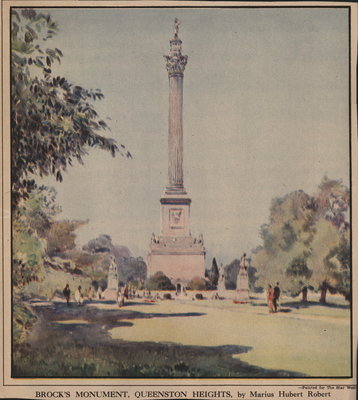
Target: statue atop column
(175, 60)
(176, 28)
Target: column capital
(175, 61)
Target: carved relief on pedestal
(176, 218)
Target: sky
(265, 113)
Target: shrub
(23, 320)
(198, 284)
(159, 281)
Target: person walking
(67, 292)
(276, 296)
(270, 296)
(79, 296)
(99, 293)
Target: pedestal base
(110, 294)
(180, 258)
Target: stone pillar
(242, 284)
(175, 64)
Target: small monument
(242, 283)
(112, 281)
(221, 281)
(175, 252)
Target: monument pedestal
(112, 282)
(180, 258)
(243, 286)
(176, 253)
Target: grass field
(186, 338)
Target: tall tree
(285, 242)
(53, 121)
(31, 223)
(330, 248)
(213, 274)
(306, 242)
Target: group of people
(273, 297)
(79, 296)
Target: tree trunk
(348, 297)
(304, 294)
(324, 288)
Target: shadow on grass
(307, 304)
(301, 304)
(84, 348)
(280, 310)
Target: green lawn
(186, 338)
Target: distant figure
(99, 293)
(90, 293)
(67, 292)
(126, 292)
(120, 299)
(79, 296)
(276, 296)
(270, 296)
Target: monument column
(175, 252)
(175, 64)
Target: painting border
(346, 381)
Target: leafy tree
(53, 121)
(129, 268)
(61, 237)
(30, 224)
(103, 244)
(333, 202)
(339, 264)
(330, 248)
(299, 275)
(132, 269)
(306, 242)
(231, 273)
(27, 258)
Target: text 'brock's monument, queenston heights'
(175, 252)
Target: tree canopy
(53, 121)
(307, 241)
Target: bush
(23, 320)
(54, 282)
(167, 296)
(198, 284)
(159, 281)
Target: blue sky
(265, 113)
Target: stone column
(175, 64)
